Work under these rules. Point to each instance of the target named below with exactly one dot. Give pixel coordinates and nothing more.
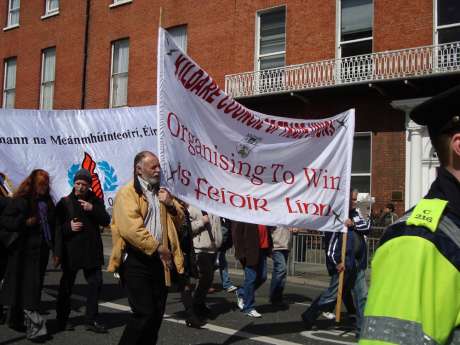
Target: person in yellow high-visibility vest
(414, 296)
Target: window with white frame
(48, 77)
(120, 2)
(51, 7)
(119, 77)
(13, 12)
(271, 38)
(9, 83)
(355, 25)
(447, 28)
(179, 34)
(361, 163)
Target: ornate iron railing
(388, 65)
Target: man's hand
(31, 221)
(294, 230)
(205, 219)
(165, 197)
(76, 225)
(86, 205)
(56, 261)
(349, 223)
(165, 255)
(340, 267)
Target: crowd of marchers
(158, 241)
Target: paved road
(230, 326)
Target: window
(447, 30)
(271, 40)
(48, 75)
(179, 34)
(447, 27)
(361, 163)
(270, 49)
(9, 83)
(355, 38)
(13, 13)
(119, 78)
(355, 27)
(51, 7)
(116, 3)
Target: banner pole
(160, 21)
(338, 305)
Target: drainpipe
(85, 54)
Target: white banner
(247, 166)
(104, 141)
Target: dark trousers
(3, 264)
(93, 277)
(143, 277)
(205, 263)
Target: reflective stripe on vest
(451, 230)
(455, 338)
(395, 331)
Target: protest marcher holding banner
(355, 264)
(146, 247)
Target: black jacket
(3, 202)
(27, 256)
(80, 249)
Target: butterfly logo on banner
(110, 183)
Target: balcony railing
(388, 65)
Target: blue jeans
(355, 281)
(359, 292)
(254, 277)
(223, 270)
(279, 273)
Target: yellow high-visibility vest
(414, 296)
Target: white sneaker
(328, 315)
(253, 313)
(239, 301)
(231, 288)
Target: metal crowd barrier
(308, 249)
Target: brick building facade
(99, 48)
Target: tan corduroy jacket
(129, 212)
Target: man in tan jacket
(145, 247)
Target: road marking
(305, 304)
(225, 330)
(115, 306)
(212, 328)
(311, 335)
